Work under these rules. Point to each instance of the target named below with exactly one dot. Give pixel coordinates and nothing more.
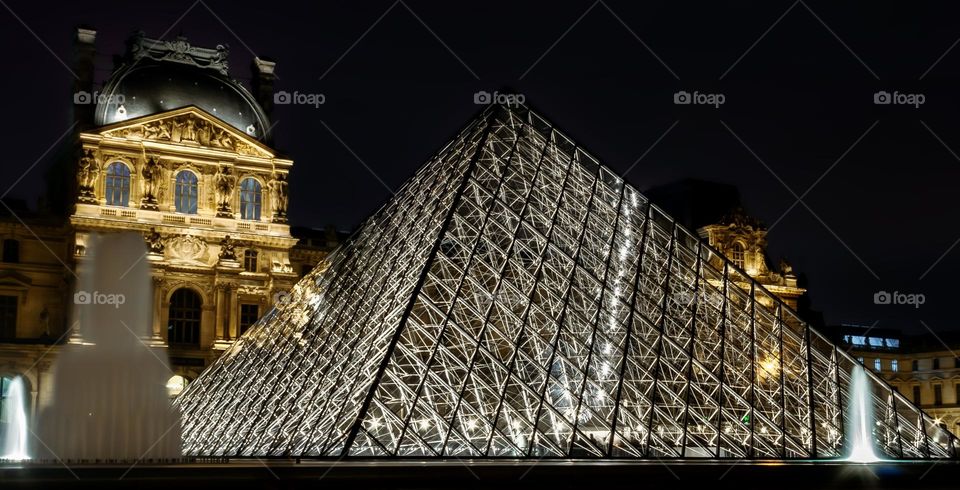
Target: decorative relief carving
(187, 248)
(179, 50)
(189, 129)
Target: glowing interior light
(471, 424)
(121, 112)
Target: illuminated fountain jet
(860, 446)
(15, 438)
(109, 399)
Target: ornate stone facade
(188, 207)
(202, 186)
(925, 368)
(743, 240)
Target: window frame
(110, 188)
(186, 327)
(244, 315)
(246, 205)
(8, 319)
(738, 255)
(251, 260)
(8, 250)
(188, 204)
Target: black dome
(150, 87)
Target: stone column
(234, 314)
(207, 326)
(157, 336)
(220, 326)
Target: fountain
(860, 447)
(14, 444)
(109, 401)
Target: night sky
(878, 183)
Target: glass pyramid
(517, 299)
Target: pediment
(14, 279)
(188, 126)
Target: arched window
(185, 196)
(736, 254)
(117, 185)
(183, 327)
(250, 199)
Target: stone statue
(225, 181)
(151, 179)
(279, 193)
(227, 249)
(189, 131)
(221, 139)
(87, 174)
(154, 241)
(785, 268)
(45, 321)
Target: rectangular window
(250, 260)
(249, 314)
(937, 395)
(858, 340)
(11, 251)
(914, 365)
(893, 343)
(877, 365)
(894, 365)
(936, 363)
(916, 395)
(875, 341)
(8, 317)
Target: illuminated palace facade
(172, 148)
(925, 368)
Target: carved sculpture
(187, 248)
(228, 249)
(181, 51)
(279, 194)
(225, 181)
(188, 128)
(87, 174)
(154, 241)
(785, 268)
(151, 179)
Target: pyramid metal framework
(517, 299)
